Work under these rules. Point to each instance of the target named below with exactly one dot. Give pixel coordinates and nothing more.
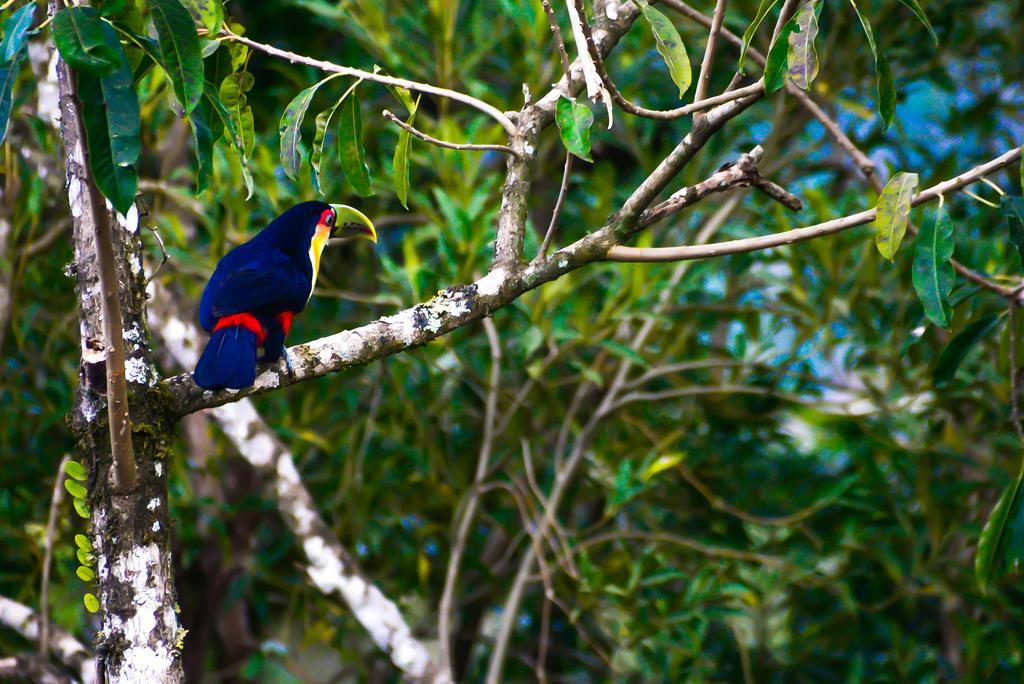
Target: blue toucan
(259, 286)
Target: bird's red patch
(243, 320)
(285, 319)
(328, 213)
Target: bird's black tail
(229, 360)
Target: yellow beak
(353, 223)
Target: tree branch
(68, 649)
(441, 143)
(332, 68)
(704, 79)
(659, 254)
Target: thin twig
(44, 583)
(556, 32)
(330, 67)
(704, 79)
(471, 147)
(557, 212)
(472, 504)
(637, 110)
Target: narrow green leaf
(574, 120)
(661, 464)
(748, 35)
(76, 470)
(111, 8)
(81, 508)
(76, 490)
(775, 65)
(893, 211)
(85, 574)
(291, 125)
(1013, 210)
(915, 7)
(110, 112)
(625, 353)
(350, 144)
(8, 74)
(400, 162)
(886, 85)
(82, 42)
(83, 542)
(323, 120)
(232, 95)
(958, 348)
(236, 126)
(16, 32)
(933, 275)
(670, 45)
(803, 57)
(886, 90)
(209, 13)
(993, 550)
(179, 49)
(92, 604)
(202, 139)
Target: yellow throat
(316, 249)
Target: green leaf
(886, 86)
(323, 120)
(670, 45)
(994, 552)
(893, 211)
(775, 65)
(661, 464)
(76, 490)
(85, 574)
(400, 162)
(83, 542)
(16, 32)
(748, 35)
(803, 58)
(110, 112)
(209, 13)
(1013, 210)
(179, 49)
(111, 8)
(202, 139)
(625, 353)
(92, 604)
(81, 508)
(958, 348)
(574, 121)
(933, 275)
(225, 121)
(85, 557)
(76, 470)
(291, 125)
(350, 144)
(232, 95)
(915, 7)
(8, 74)
(83, 43)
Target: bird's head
(307, 227)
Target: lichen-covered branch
(69, 650)
(330, 567)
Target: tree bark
(140, 638)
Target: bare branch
(704, 79)
(658, 254)
(68, 649)
(556, 33)
(330, 67)
(663, 115)
(556, 213)
(444, 629)
(441, 143)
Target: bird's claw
(288, 363)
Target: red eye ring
(327, 218)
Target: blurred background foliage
(814, 518)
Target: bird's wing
(266, 286)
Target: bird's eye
(330, 219)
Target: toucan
(260, 285)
